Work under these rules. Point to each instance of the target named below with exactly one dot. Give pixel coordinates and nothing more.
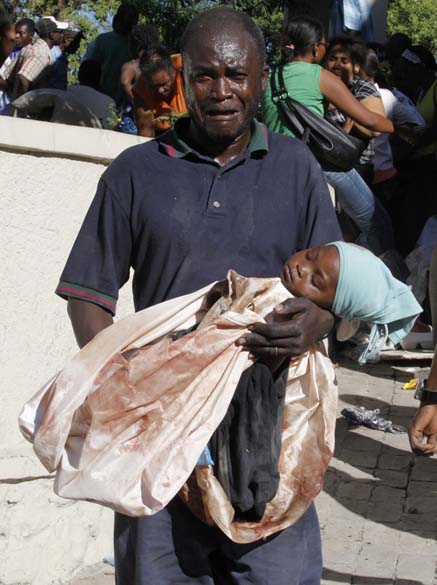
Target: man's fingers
(270, 351)
(431, 444)
(416, 440)
(418, 443)
(254, 340)
(274, 331)
(292, 306)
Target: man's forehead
(229, 46)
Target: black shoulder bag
(334, 149)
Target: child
(355, 285)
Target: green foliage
(417, 19)
(169, 16)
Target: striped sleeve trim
(67, 289)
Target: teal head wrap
(367, 290)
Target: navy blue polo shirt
(181, 220)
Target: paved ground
(378, 510)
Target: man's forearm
(87, 320)
(23, 86)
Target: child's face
(313, 274)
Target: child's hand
(296, 325)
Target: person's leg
(291, 557)
(360, 204)
(171, 547)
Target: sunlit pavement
(378, 510)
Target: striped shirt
(33, 63)
(360, 89)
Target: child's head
(313, 273)
(355, 285)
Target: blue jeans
(360, 204)
(173, 547)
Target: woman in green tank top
(313, 86)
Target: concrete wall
(48, 176)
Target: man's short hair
(125, 19)
(220, 18)
(27, 23)
(154, 60)
(143, 37)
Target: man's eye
(202, 77)
(238, 76)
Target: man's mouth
(221, 115)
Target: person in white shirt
(402, 112)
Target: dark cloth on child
(246, 446)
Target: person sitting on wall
(7, 40)
(111, 50)
(158, 94)
(24, 31)
(31, 69)
(87, 91)
(71, 38)
(142, 38)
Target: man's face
(340, 63)
(162, 83)
(223, 83)
(9, 35)
(23, 36)
(56, 37)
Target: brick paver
(378, 509)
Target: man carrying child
(217, 192)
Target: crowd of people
(223, 187)
(130, 82)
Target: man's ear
(265, 76)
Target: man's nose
(221, 88)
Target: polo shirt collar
(176, 147)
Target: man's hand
(293, 326)
(423, 430)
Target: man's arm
(373, 104)
(23, 85)
(127, 79)
(144, 120)
(87, 320)
(422, 432)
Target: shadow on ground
(338, 577)
(397, 475)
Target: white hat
(60, 25)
